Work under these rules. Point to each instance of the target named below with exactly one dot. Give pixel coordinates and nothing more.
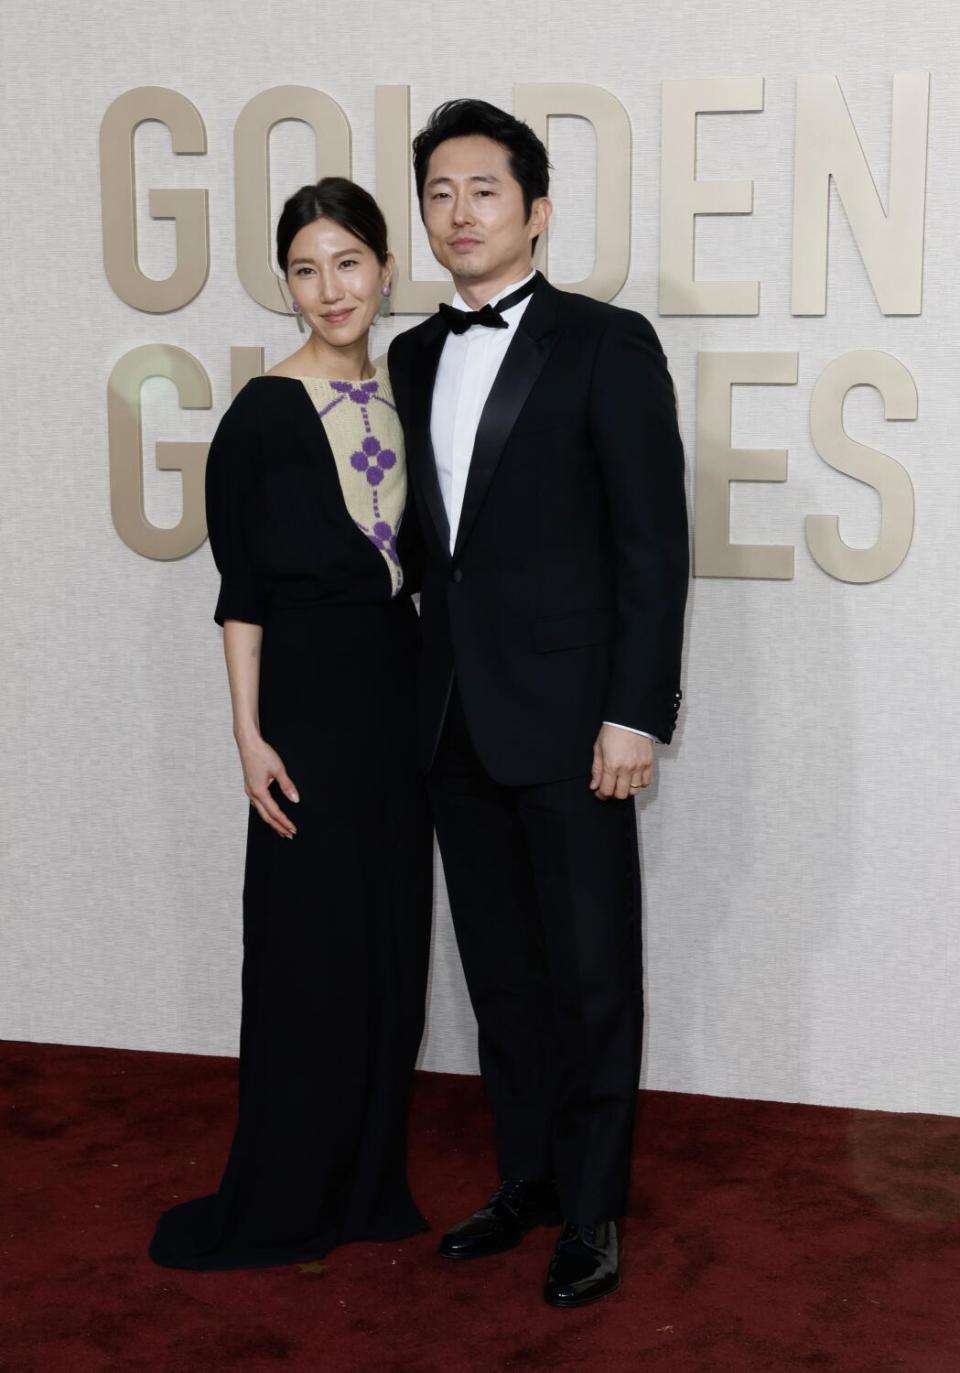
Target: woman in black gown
(305, 495)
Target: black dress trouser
(544, 886)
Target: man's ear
(540, 212)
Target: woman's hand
(261, 766)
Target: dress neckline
(378, 373)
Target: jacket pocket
(574, 630)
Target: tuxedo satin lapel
(421, 461)
(522, 364)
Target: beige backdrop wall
(801, 855)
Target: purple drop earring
(300, 325)
(385, 300)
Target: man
(547, 474)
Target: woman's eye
(349, 262)
(303, 271)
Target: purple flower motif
(386, 540)
(359, 394)
(383, 538)
(373, 459)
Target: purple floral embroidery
(360, 394)
(373, 460)
(386, 540)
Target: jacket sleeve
(410, 549)
(397, 368)
(410, 538)
(231, 502)
(633, 418)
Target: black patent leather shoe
(585, 1264)
(513, 1210)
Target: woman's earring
(296, 310)
(385, 300)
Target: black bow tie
(459, 321)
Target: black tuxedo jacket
(562, 603)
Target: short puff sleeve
(231, 483)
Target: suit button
(457, 574)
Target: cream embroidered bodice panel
(363, 428)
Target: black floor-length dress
(336, 920)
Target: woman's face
(336, 280)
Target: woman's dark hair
(529, 163)
(343, 201)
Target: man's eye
(439, 195)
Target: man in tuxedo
(546, 474)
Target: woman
(306, 487)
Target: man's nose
(462, 213)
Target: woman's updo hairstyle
(343, 201)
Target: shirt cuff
(631, 730)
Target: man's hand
(622, 763)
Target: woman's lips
(338, 317)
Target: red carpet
(761, 1237)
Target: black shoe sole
(565, 1304)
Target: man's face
(473, 211)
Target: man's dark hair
(336, 198)
(529, 164)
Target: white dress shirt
(468, 367)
